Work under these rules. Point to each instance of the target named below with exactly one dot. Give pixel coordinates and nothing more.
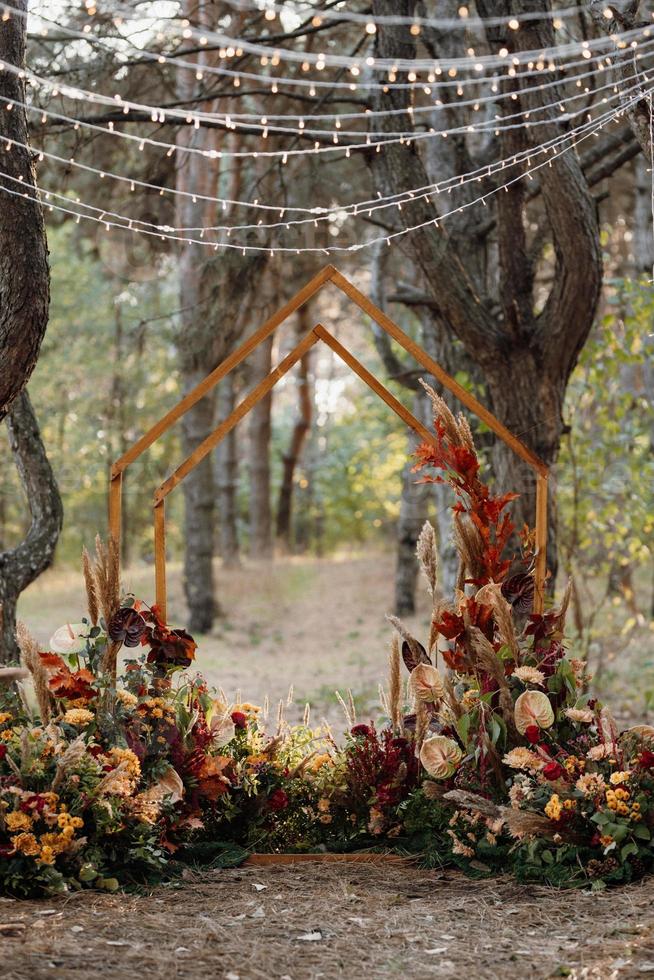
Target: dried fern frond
(443, 414)
(469, 545)
(427, 555)
(491, 595)
(29, 649)
(473, 802)
(525, 823)
(395, 684)
(465, 432)
(69, 758)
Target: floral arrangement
(492, 755)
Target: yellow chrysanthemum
(78, 717)
(17, 820)
(26, 844)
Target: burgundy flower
(646, 759)
(361, 730)
(553, 770)
(240, 720)
(533, 734)
(127, 627)
(278, 800)
(3, 751)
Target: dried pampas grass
(29, 650)
(395, 684)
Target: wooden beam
(437, 371)
(239, 412)
(375, 385)
(540, 572)
(160, 557)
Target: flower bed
(498, 760)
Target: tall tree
(524, 347)
(24, 277)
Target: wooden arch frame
(318, 333)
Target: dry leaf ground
(325, 922)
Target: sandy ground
(325, 921)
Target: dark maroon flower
(518, 590)
(646, 759)
(278, 800)
(127, 627)
(3, 751)
(553, 771)
(533, 734)
(240, 720)
(361, 731)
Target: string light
(435, 67)
(126, 223)
(354, 210)
(232, 119)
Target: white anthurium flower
(533, 708)
(70, 638)
(440, 756)
(426, 683)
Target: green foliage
(606, 467)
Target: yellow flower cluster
(5, 716)
(318, 761)
(247, 708)
(553, 808)
(619, 777)
(126, 698)
(47, 846)
(78, 717)
(6, 734)
(574, 765)
(131, 764)
(591, 784)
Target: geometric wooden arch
(318, 333)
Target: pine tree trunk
(259, 431)
(301, 428)
(414, 511)
(226, 478)
(20, 566)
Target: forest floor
(320, 626)
(322, 921)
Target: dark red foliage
(278, 800)
(381, 768)
(63, 683)
(483, 509)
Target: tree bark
(24, 276)
(301, 428)
(227, 480)
(259, 432)
(414, 511)
(20, 566)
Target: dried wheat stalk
(30, 656)
(91, 589)
(395, 684)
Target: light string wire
(205, 36)
(377, 144)
(202, 69)
(262, 124)
(126, 223)
(398, 20)
(362, 208)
